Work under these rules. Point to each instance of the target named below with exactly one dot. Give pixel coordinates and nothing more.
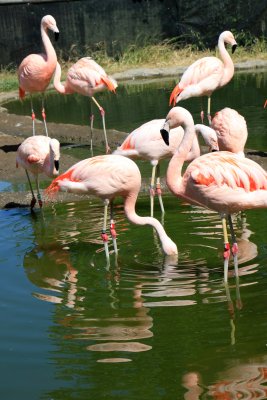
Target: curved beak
(56, 36)
(234, 48)
(165, 130)
(56, 164)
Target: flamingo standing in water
(87, 78)
(38, 154)
(221, 181)
(146, 143)
(36, 70)
(109, 176)
(231, 131)
(206, 74)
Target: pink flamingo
(109, 176)
(87, 78)
(38, 154)
(221, 181)
(36, 70)
(231, 130)
(265, 104)
(146, 143)
(206, 74)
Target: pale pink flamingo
(146, 143)
(221, 181)
(36, 70)
(38, 154)
(106, 177)
(231, 130)
(206, 74)
(232, 133)
(87, 78)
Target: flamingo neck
(174, 172)
(51, 56)
(168, 246)
(57, 83)
(227, 61)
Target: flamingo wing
(227, 169)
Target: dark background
(117, 23)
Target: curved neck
(57, 83)
(174, 171)
(129, 208)
(48, 47)
(227, 61)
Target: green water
(147, 326)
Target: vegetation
(172, 52)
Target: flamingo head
(177, 116)
(49, 22)
(54, 157)
(209, 135)
(228, 38)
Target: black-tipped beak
(56, 36)
(234, 48)
(212, 150)
(165, 136)
(56, 163)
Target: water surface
(146, 326)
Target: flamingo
(265, 104)
(221, 181)
(36, 70)
(146, 143)
(231, 130)
(206, 74)
(38, 154)
(106, 177)
(87, 78)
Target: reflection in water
(247, 381)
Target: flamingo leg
(234, 245)
(158, 190)
(201, 112)
(33, 117)
(39, 197)
(226, 253)
(92, 117)
(112, 228)
(208, 112)
(104, 235)
(44, 115)
(152, 190)
(102, 112)
(33, 201)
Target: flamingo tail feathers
(174, 94)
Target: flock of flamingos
(223, 180)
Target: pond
(146, 326)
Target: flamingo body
(107, 177)
(85, 77)
(231, 130)
(225, 183)
(38, 154)
(36, 70)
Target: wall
(118, 23)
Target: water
(147, 326)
